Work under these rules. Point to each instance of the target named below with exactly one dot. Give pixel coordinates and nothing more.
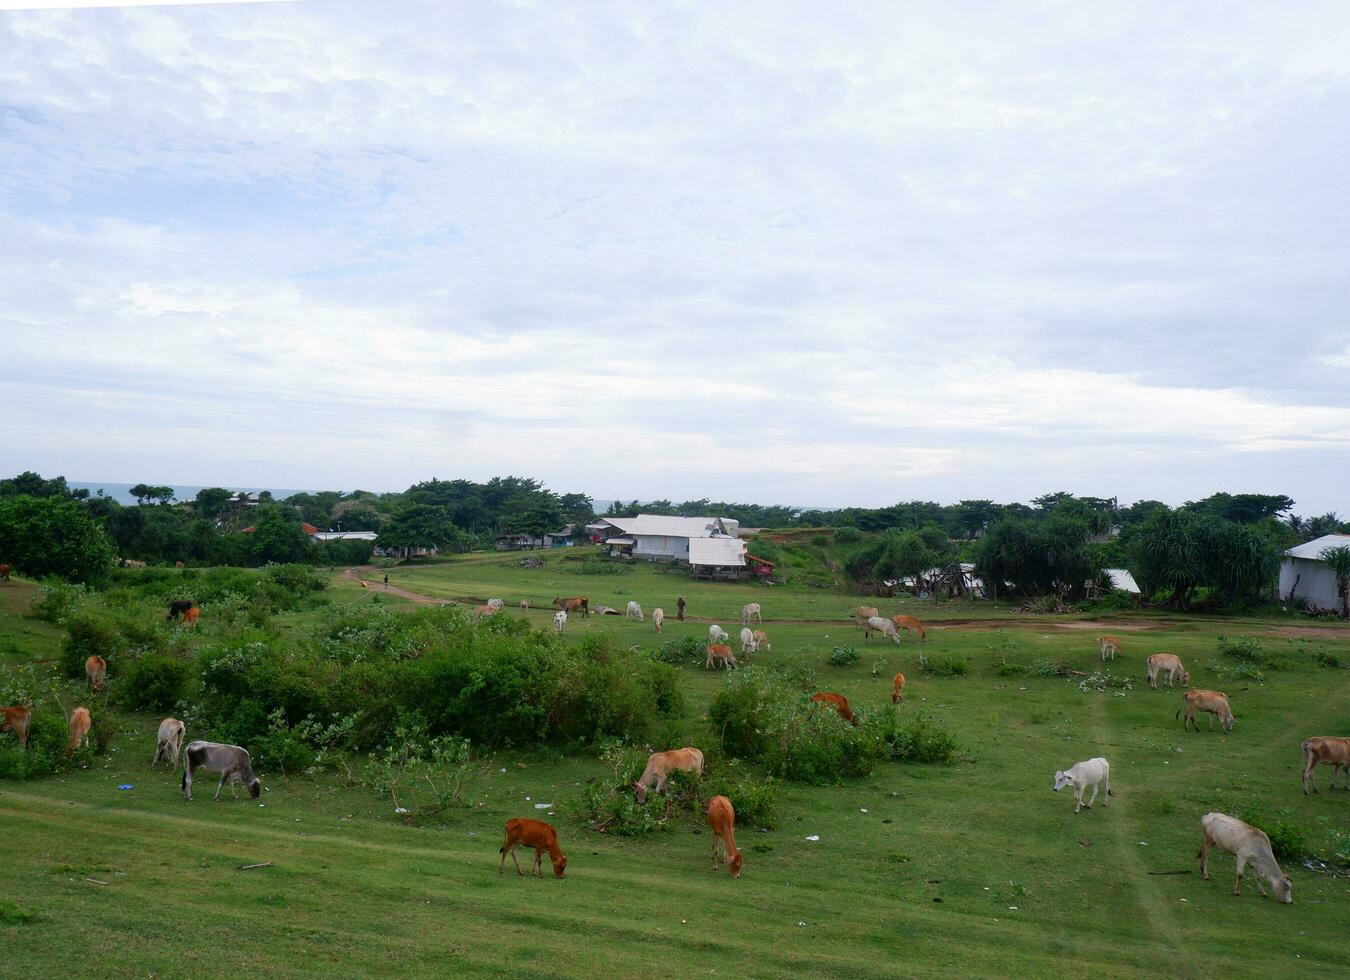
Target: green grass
(924, 883)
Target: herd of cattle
(1248, 844)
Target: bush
(843, 656)
(754, 800)
(1287, 840)
(847, 535)
(1241, 648)
(55, 600)
(916, 740)
(598, 565)
(1101, 682)
(154, 683)
(942, 667)
(47, 734)
(1325, 658)
(1049, 668)
(611, 804)
(684, 650)
(88, 634)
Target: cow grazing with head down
(747, 641)
(18, 718)
(231, 761)
(658, 617)
(191, 616)
(96, 669)
(170, 742)
(838, 702)
(1247, 844)
(80, 723)
(537, 834)
(910, 624)
(570, 604)
(1328, 750)
(661, 764)
(722, 820)
(1168, 663)
(762, 642)
(719, 654)
(178, 607)
(898, 689)
(496, 604)
(863, 613)
(634, 611)
(880, 624)
(1214, 702)
(716, 634)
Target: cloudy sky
(816, 253)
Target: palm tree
(1339, 560)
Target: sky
(817, 254)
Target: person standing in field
(386, 581)
(679, 609)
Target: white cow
(496, 604)
(751, 611)
(747, 641)
(1246, 843)
(560, 620)
(658, 617)
(880, 624)
(1090, 773)
(634, 611)
(716, 634)
(170, 743)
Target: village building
(656, 537)
(1305, 579)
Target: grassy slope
(349, 888)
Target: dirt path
(354, 575)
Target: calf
(1170, 663)
(191, 616)
(170, 743)
(537, 834)
(1320, 749)
(1092, 773)
(178, 607)
(1245, 843)
(1108, 646)
(716, 634)
(762, 642)
(720, 653)
(80, 723)
(231, 761)
(560, 620)
(880, 624)
(634, 611)
(911, 624)
(658, 617)
(18, 718)
(661, 764)
(838, 702)
(96, 669)
(747, 641)
(722, 820)
(898, 689)
(524, 605)
(1213, 702)
(751, 611)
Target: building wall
(657, 546)
(1316, 582)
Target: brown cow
(4, 573)
(178, 607)
(191, 616)
(911, 624)
(1212, 701)
(570, 604)
(79, 729)
(839, 702)
(898, 689)
(661, 764)
(96, 669)
(720, 653)
(722, 820)
(179, 564)
(1320, 749)
(17, 719)
(537, 834)
(1108, 647)
(863, 613)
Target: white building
(322, 536)
(1305, 578)
(659, 538)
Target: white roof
(716, 551)
(1122, 579)
(1312, 549)
(619, 541)
(665, 527)
(344, 536)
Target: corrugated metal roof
(665, 527)
(619, 541)
(1122, 579)
(717, 551)
(1311, 549)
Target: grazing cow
(716, 634)
(537, 834)
(570, 604)
(661, 764)
(720, 653)
(560, 620)
(80, 723)
(722, 820)
(898, 689)
(658, 617)
(634, 611)
(1246, 843)
(494, 603)
(132, 563)
(4, 573)
(18, 718)
(750, 611)
(191, 616)
(170, 743)
(1329, 749)
(1093, 772)
(231, 761)
(911, 624)
(179, 564)
(762, 642)
(1170, 663)
(1108, 646)
(96, 669)
(178, 608)
(838, 702)
(1213, 702)
(863, 613)
(880, 624)
(524, 605)
(747, 641)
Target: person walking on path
(679, 609)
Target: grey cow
(231, 761)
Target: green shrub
(820, 540)
(684, 650)
(88, 633)
(754, 800)
(420, 774)
(47, 734)
(1049, 668)
(843, 656)
(14, 914)
(55, 600)
(598, 565)
(942, 666)
(1244, 648)
(1325, 658)
(611, 804)
(154, 683)
(916, 739)
(847, 535)
(1101, 682)
(1288, 841)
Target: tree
(577, 508)
(894, 555)
(1339, 560)
(1244, 508)
(144, 491)
(1183, 550)
(421, 526)
(30, 484)
(51, 536)
(278, 537)
(211, 502)
(1050, 555)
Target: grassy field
(975, 868)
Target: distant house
(390, 551)
(1305, 578)
(659, 538)
(309, 529)
(322, 536)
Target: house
(564, 538)
(319, 537)
(721, 557)
(659, 538)
(1306, 579)
(391, 551)
(519, 542)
